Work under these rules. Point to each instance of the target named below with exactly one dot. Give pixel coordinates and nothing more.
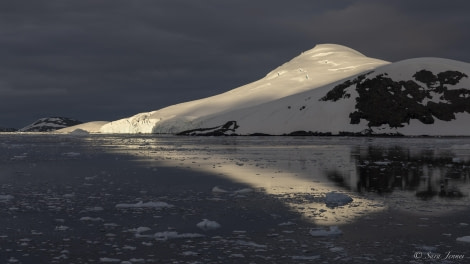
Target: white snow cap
(289, 99)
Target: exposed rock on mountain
(50, 124)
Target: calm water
(426, 167)
(59, 197)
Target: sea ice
(71, 154)
(249, 244)
(110, 260)
(156, 205)
(140, 229)
(305, 257)
(92, 219)
(217, 189)
(320, 232)
(61, 228)
(208, 225)
(4, 197)
(189, 253)
(334, 199)
(244, 190)
(464, 239)
(163, 236)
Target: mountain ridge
(311, 69)
(48, 124)
(373, 97)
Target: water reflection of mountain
(427, 172)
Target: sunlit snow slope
(328, 90)
(425, 96)
(312, 69)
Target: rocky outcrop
(384, 101)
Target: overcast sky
(109, 59)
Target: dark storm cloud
(96, 59)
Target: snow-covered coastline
(428, 94)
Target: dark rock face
(383, 101)
(50, 124)
(227, 129)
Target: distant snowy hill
(7, 129)
(330, 89)
(85, 128)
(50, 124)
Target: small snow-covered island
(328, 90)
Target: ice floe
(208, 225)
(156, 205)
(165, 235)
(334, 199)
(464, 239)
(321, 232)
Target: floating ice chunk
(4, 197)
(189, 253)
(20, 157)
(36, 233)
(336, 249)
(13, 260)
(208, 225)
(305, 257)
(156, 205)
(320, 232)
(163, 236)
(288, 223)
(334, 199)
(136, 260)
(464, 239)
(71, 154)
(127, 247)
(427, 248)
(140, 229)
(110, 260)
(217, 189)
(63, 256)
(61, 228)
(94, 209)
(244, 190)
(92, 219)
(249, 244)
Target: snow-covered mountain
(330, 89)
(50, 124)
(7, 129)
